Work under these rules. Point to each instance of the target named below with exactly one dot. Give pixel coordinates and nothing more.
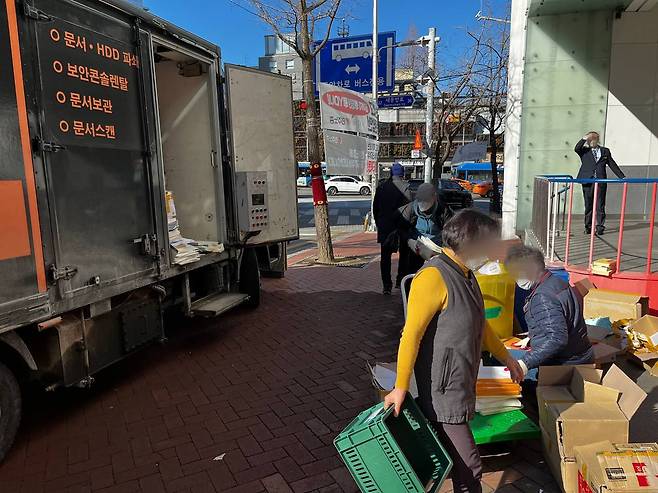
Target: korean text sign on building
(347, 111)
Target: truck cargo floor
(216, 304)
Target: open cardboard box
(616, 305)
(604, 467)
(648, 326)
(575, 405)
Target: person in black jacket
(594, 158)
(553, 311)
(389, 197)
(425, 217)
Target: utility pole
(374, 177)
(429, 107)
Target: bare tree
(474, 91)
(295, 23)
(414, 58)
(459, 102)
(491, 83)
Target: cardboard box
(574, 407)
(563, 384)
(647, 328)
(564, 469)
(604, 353)
(647, 360)
(615, 305)
(615, 468)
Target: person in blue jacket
(553, 312)
(425, 216)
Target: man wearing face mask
(553, 312)
(424, 217)
(594, 158)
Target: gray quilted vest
(449, 355)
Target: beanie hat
(397, 170)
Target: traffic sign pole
(375, 73)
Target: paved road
(346, 210)
(343, 210)
(346, 215)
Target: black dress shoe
(387, 291)
(588, 231)
(600, 231)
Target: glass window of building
(271, 64)
(290, 64)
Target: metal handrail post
(592, 226)
(566, 247)
(620, 241)
(651, 227)
(556, 207)
(549, 190)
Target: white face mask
(476, 263)
(425, 206)
(525, 284)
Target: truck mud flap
(140, 324)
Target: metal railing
(552, 215)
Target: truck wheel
(250, 277)
(10, 409)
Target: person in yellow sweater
(443, 338)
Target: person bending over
(553, 312)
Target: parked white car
(346, 184)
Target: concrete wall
(565, 94)
(632, 119)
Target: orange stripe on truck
(13, 221)
(25, 145)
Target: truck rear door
(261, 130)
(23, 295)
(93, 145)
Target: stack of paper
(184, 252)
(495, 392)
(208, 246)
(604, 267)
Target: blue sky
(240, 34)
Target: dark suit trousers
(385, 264)
(588, 196)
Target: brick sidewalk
(249, 402)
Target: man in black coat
(594, 158)
(391, 194)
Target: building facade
(577, 66)
(282, 59)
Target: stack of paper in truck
(495, 392)
(208, 246)
(184, 252)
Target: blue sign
(347, 62)
(395, 101)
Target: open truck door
(262, 150)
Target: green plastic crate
(503, 427)
(388, 454)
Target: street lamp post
(429, 94)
